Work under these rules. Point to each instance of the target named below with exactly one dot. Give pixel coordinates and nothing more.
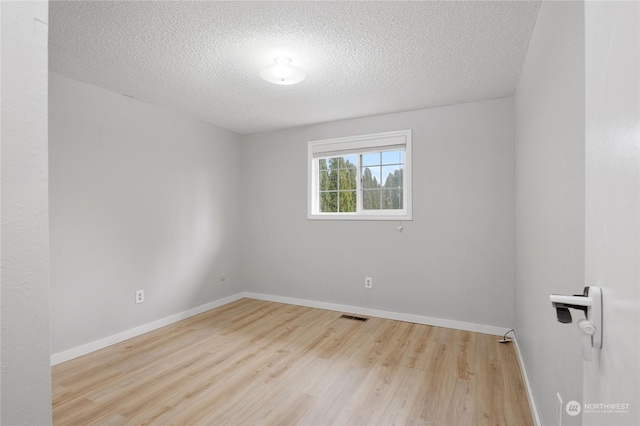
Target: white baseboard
(532, 402)
(418, 319)
(67, 355)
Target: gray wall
(550, 219)
(453, 261)
(26, 382)
(141, 198)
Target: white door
(612, 48)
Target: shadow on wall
(189, 263)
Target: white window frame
(376, 142)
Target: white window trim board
(354, 144)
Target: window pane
(392, 176)
(333, 180)
(348, 201)
(391, 199)
(332, 163)
(371, 199)
(345, 162)
(350, 160)
(392, 157)
(372, 159)
(324, 180)
(328, 202)
(322, 163)
(398, 195)
(368, 177)
(348, 179)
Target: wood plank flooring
(256, 362)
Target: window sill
(343, 216)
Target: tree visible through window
(362, 177)
(379, 167)
(338, 184)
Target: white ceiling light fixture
(282, 72)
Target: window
(361, 178)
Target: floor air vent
(351, 317)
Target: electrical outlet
(368, 282)
(139, 296)
(223, 276)
(559, 409)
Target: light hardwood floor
(256, 362)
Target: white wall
(549, 213)
(140, 198)
(613, 204)
(453, 261)
(26, 381)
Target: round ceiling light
(282, 72)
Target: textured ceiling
(361, 58)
